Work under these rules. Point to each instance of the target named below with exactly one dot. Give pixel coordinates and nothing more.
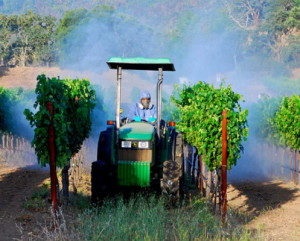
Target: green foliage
(77, 17)
(147, 218)
(12, 100)
(282, 16)
(266, 29)
(200, 112)
(291, 52)
(27, 39)
(280, 26)
(140, 219)
(6, 99)
(287, 122)
(277, 120)
(262, 115)
(70, 20)
(246, 32)
(73, 101)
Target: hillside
(26, 77)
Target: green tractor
(138, 154)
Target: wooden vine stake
(223, 201)
(52, 161)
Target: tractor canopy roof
(141, 63)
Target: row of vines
(63, 105)
(213, 121)
(72, 102)
(61, 123)
(199, 111)
(280, 121)
(278, 130)
(13, 102)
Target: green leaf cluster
(27, 39)
(7, 99)
(287, 122)
(277, 120)
(261, 117)
(73, 101)
(200, 115)
(12, 100)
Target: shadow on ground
(15, 183)
(16, 186)
(256, 197)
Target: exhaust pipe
(118, 98)
(158, 99)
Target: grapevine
(287, 122)
(262, 115)
(73, 101)
(200, 114)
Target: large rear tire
(102, 183)
(172, 176)
(103, 172)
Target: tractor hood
(137, 131)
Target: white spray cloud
(200, 55)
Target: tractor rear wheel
(172, 176)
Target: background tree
(282, 25)
(270, 29)
(5, 39)
(257, 36)
(35, 39)
(27, 39)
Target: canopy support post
(118, 99)
(158, 99)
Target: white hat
(145, 94)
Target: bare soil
(16, 187)
(269, 208)
(26, 76)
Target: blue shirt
(137, 110)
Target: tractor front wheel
(172, 176)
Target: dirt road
(272, 208)
(17, 185)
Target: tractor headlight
(143, 144)
(126, 144)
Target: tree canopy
(251, 33)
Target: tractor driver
(143, 110)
